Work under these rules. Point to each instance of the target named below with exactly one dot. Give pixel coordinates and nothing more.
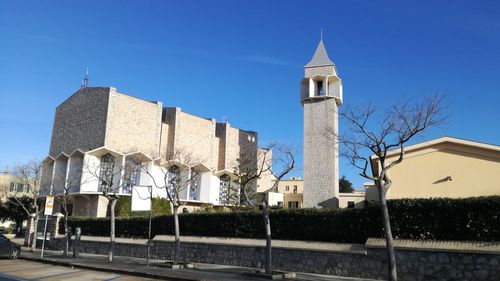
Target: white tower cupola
(321, 80)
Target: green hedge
(124, 204)
(438, 219)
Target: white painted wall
(89, 180)
(74, 173)
(205, 186)
(274, 198)
(214, 190)
(59, 175)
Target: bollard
(76, 243)
(67, 241)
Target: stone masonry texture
(412, 265)
(320, 154)
(80, 121)
(133, 124)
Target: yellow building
(292, 190)
(11, 185)
(444, 167)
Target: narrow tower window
(319, 85)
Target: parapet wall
(416, 260)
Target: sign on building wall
(49, 205)
(141, 198)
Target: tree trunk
(35, 236)
(112, 230)
(177, 246)
(267, 226)
(391, 257)
(66, 234)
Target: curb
(102, 269)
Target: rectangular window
(287, 188)
(19, 187)
(350, 204)
(294, 189)
(293, 204)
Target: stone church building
(102, 128)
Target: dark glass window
(132, 177)
(174, 178)
(350, 204)
(193, 185)
(224, 189)
(19, 187)
(106, 172)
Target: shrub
(161, 206)
(474, 219)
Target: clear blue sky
(243, 60)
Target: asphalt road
(16, 270)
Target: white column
(326, 86)
(312, 88)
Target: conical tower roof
(320, 57)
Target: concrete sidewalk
(137, 267)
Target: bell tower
(320, 96)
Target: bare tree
(63, 192)
(250, 169)
(112, 178)
(177, 175)
(29, 173)
(374, 134)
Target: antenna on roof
(85, 81)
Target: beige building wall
(133, 124)
(5, 182)
(292, 190)
(193, 135)
(265, 181)
(241, 146)
(291, 183)
(355, 199)
(293, 198)
(445, 167)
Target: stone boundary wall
(416, 260)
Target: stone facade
(217, 145)
(133, 124)
(95, 122)
(98, 117)
(350, 260)
(80, 121)
(320, 154)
